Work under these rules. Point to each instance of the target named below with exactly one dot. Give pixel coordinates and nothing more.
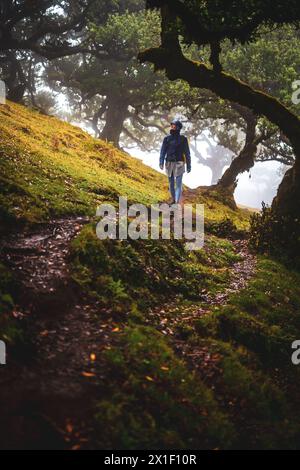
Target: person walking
(175, 153)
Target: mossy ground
(244, 392)
(153, 401)
(250, 381)
(50, 168)
(239, 391)
(10, 332)
(141, 273)
(252, 335)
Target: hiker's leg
(178, 189)
(171, 186)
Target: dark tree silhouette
(207, 23)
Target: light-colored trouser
(175, 191)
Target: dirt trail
(50, 398)
(241, 271)
(60, 380)
(172, 315)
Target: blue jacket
(175, 148)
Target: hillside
(50, 168)
(135, 344)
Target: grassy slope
(252, 337)
(52, 169)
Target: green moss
(148, 271)
(270, 343)
(207, 325)
(254, 378)
(56, 169)
(155, 402)
(6, 288)
(246, 395)
(10, 330)
(277, 234)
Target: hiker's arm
(188, 156)
(163, 152)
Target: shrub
(276, 235)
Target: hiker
(175, 153)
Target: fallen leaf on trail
(44, 333)
(17, 314)
(69, 428)
(116, 329)
(93, 357)
(164, 368)
(88, 374)
(149, 378)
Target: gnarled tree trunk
(287, 200)
(246, 158)
(197, 74)
(14, 78)
(115, 115)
